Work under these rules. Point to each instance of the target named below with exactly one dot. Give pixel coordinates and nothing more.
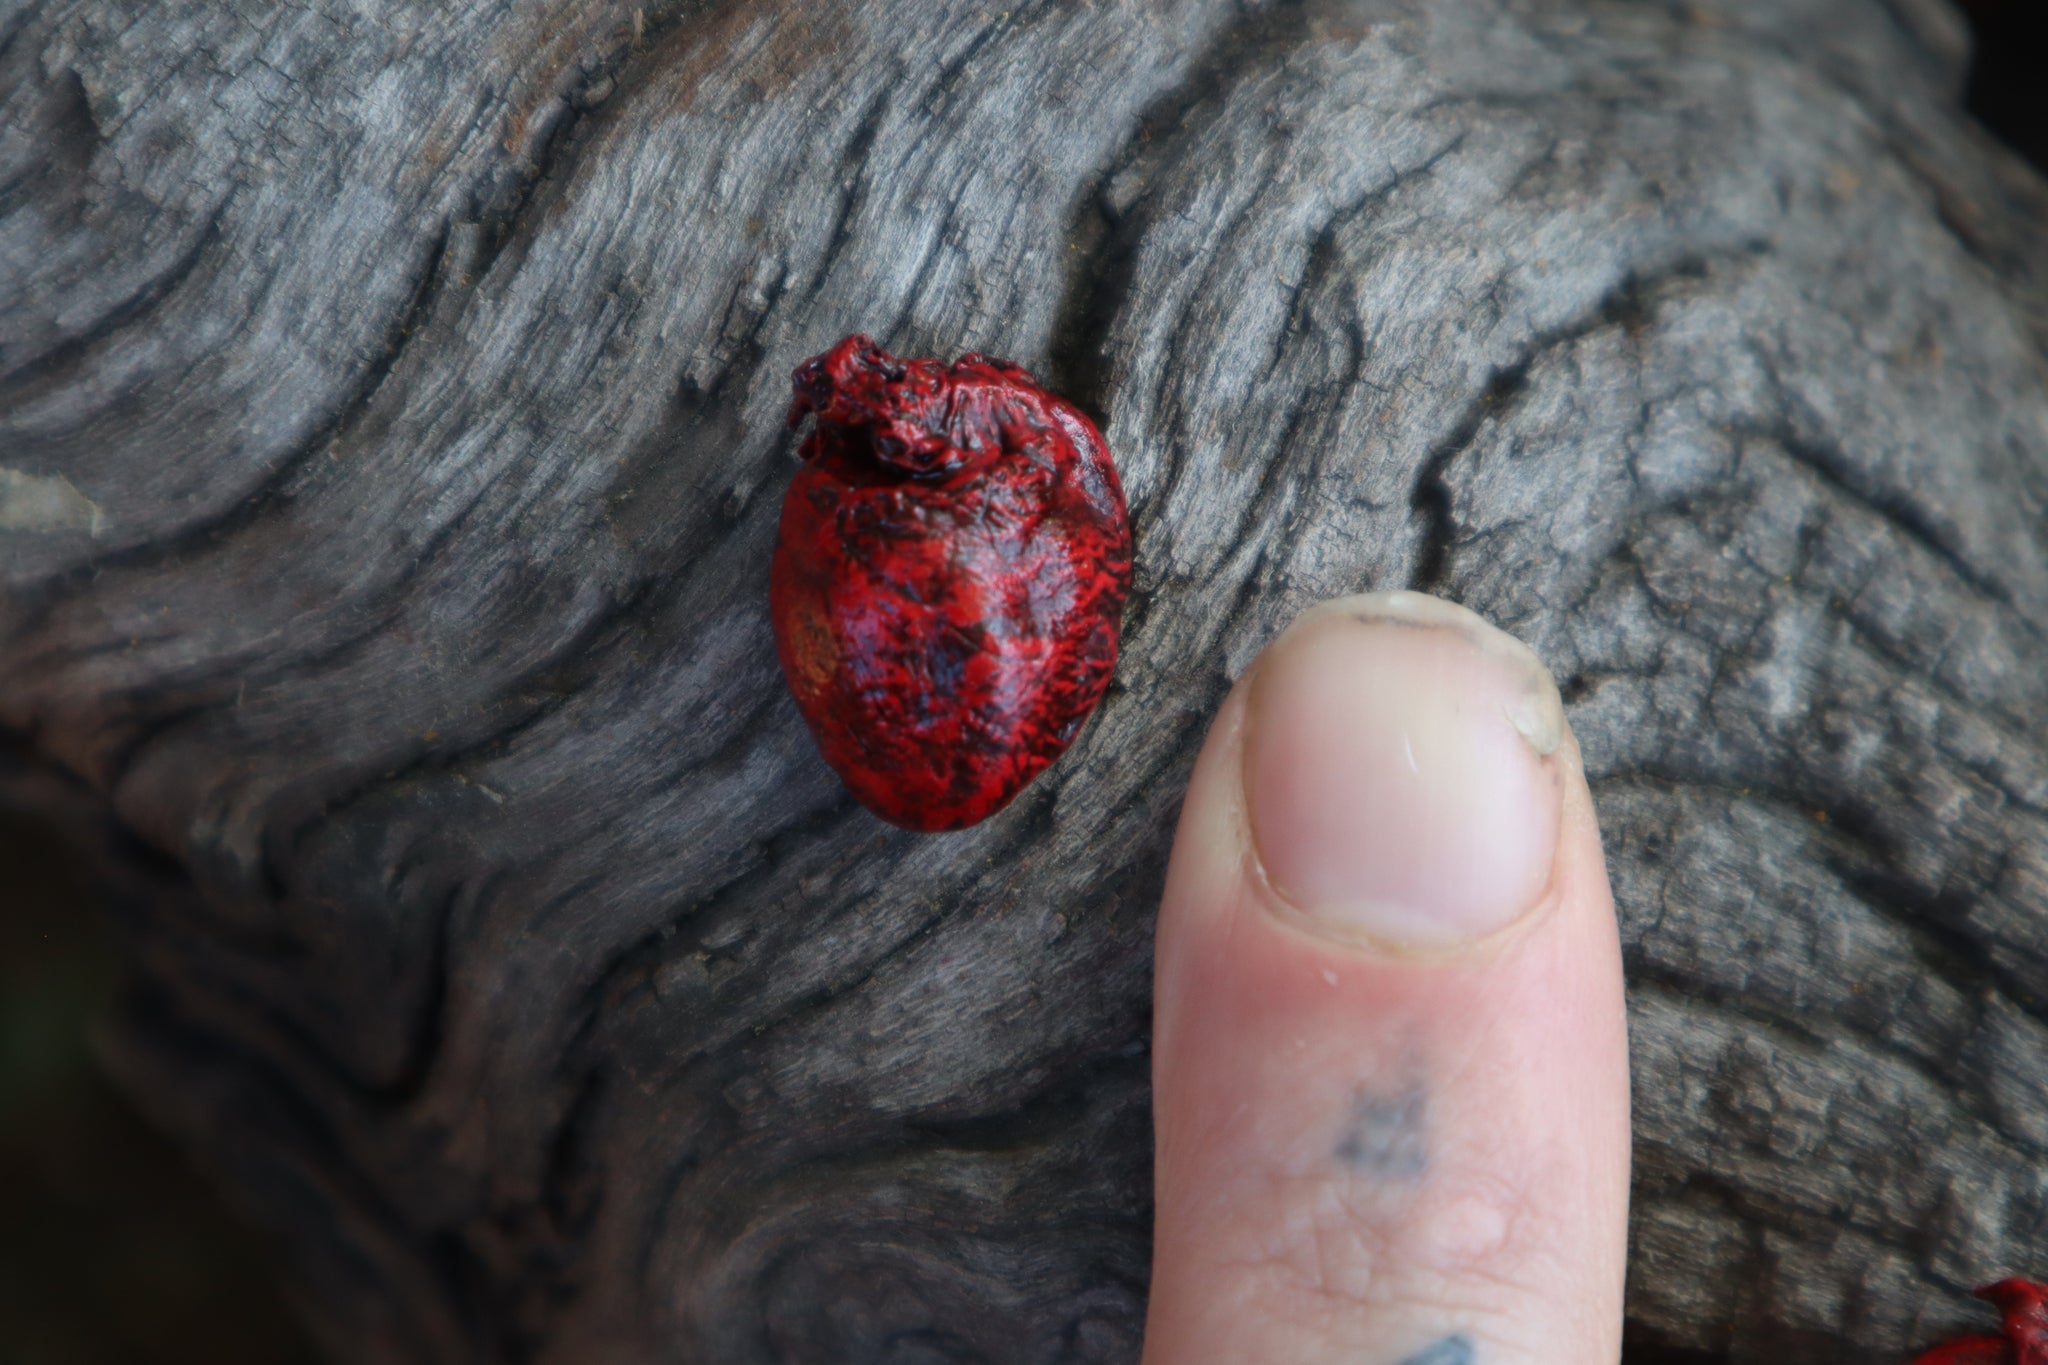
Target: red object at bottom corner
(2024, 1306)
(1969, 1351)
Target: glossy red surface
(949, 578)
(2024, 1306)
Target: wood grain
(390, 447)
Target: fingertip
(1396, 771)
(1390, 1085)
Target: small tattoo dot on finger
(1385, 1134)
(1456, 1349)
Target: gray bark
(390, 450)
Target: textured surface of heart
(949, 578)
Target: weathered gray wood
(390, 446)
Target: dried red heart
(949, 578)
(2024, 1306)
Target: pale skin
(1390, 1063)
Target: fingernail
(1397, 771)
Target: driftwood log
(390, 451)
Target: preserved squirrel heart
(949, 578)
